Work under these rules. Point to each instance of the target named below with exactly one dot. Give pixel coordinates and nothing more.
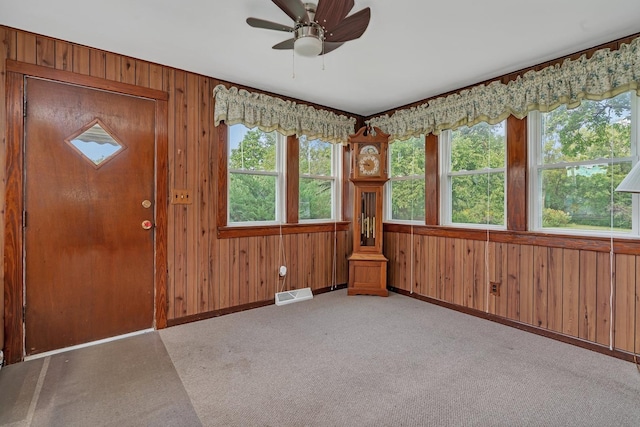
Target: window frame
(388, 204)
(335, 178)
(279, 174)
(534, 137)
(446, 177)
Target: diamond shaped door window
(95, 143)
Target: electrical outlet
(494, 288)
(180, 197)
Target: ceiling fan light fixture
(308, 40)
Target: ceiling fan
(320, 29)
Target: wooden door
(89, 185)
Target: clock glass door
(368, 218)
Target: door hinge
(24, 312)
(24, 219)
(24, 107)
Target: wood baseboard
(239, 308)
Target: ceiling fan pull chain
(293, 64)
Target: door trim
(14, 196)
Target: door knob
(146, 224)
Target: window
(255, 175)
(473, 181)
(578, 157)
(318, 191)
(405, 193)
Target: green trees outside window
(253, 175)
(317, 179)
(475, 182)
(582, 155)
(406, 185)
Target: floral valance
(269, 113)
(606, 74)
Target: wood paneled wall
(561, 289)
(205, 273)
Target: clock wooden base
(367, 275)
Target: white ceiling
(412, 49)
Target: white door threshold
(87, 344)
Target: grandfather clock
(369, 172)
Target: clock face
(369, 164)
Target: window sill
(274, 230)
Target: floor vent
(296, 295)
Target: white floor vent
(296, 295)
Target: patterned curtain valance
(268, 113)
(606, 74)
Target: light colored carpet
(129, 382)
(396, 361)
(331, 361)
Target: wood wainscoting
(205, 272)
(550, 283)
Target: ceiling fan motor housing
(308, 39)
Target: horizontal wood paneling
(563, 290)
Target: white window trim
(446, 175)
(534, 135)
(279, 173)
(336, 188)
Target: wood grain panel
(513, 282)
(128, 70)
(26, 47)
(432, 181)
(64, 56)
(13, 244)
(224, 275)
(97, 63)
(526, 283)
(603, 298)
(418, 255)
(293, 179)
(179, 180)
(142, 75)
(625, 287)
(156, 73)
(479, 275)
(570, 292)
(244, 264)
(516, 174)
(112, 68)
(432, 256)
(554, 286)
(45, 52)
(540, 286)
(449, 272)
(204, 206)
(587, 295)
(4, 52)
(193, 280)
(80, 60)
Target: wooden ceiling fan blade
(330, 12)
(261, 23)
(350, 28)
(294, 9)
(287, 44)
(330, 47)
